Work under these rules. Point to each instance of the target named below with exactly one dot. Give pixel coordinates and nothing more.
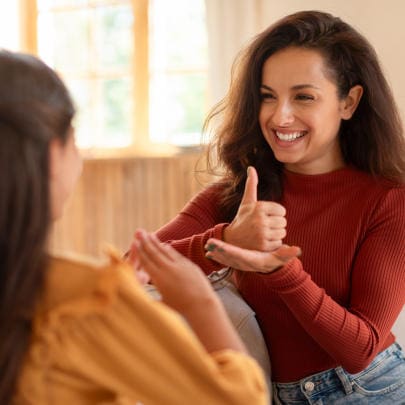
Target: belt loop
(344, 379)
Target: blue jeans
(382, 382)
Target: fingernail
(210, 247)
(248, 170)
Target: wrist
(201, 308)
(225, 233)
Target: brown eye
(304, 97)
(266, 96)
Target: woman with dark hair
(312, 154)
(71, 331)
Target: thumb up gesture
(258, 225)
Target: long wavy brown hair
(34, 108)
(372, 140)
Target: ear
(351, 101)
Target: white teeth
(289, 137)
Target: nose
(283, 114)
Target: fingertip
(140, 234)
(154, 237)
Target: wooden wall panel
(116, 196)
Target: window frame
(141, 143)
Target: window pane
(115, 113)
(91, 46)
(179, 73)
(58, 3)
(114, 36)
(178, 34)
(104, 118)
(9, 32)
(65, 48)
(178, 110)
(81, 93)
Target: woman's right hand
(181, 283)
(258, 225)
(248, 259)
(185, 288)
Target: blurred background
(144, 74)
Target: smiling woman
(314, 157)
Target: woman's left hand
(249, 260)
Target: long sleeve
(114, 344)
(334, 306)
(355, 333)
(198, 221)
(343, 295)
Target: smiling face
(300, 112)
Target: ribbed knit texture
(334, 306)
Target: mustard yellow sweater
(100, 339)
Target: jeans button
(309, 386)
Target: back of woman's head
(372, 140)
(34, 108)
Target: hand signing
(249, 260)
(182, 283)
(258, 225)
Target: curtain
(231, 25)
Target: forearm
(192, 246)
(350, 335)
(212, 326)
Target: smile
(291, 136)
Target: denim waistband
(329, 380)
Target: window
(9, 33)
(137, 69)
(178, 71)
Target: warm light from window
(91, 44)
(178, 71)
(9, 32)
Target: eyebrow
(296, 87)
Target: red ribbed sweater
(334, 306)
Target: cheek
(329, 125)
(263, 117)
(73, 170)
(79, 165)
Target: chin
(286, 159)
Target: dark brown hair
(372, 140)
(34, 108)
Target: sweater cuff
(287, 278)
(218, 231)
